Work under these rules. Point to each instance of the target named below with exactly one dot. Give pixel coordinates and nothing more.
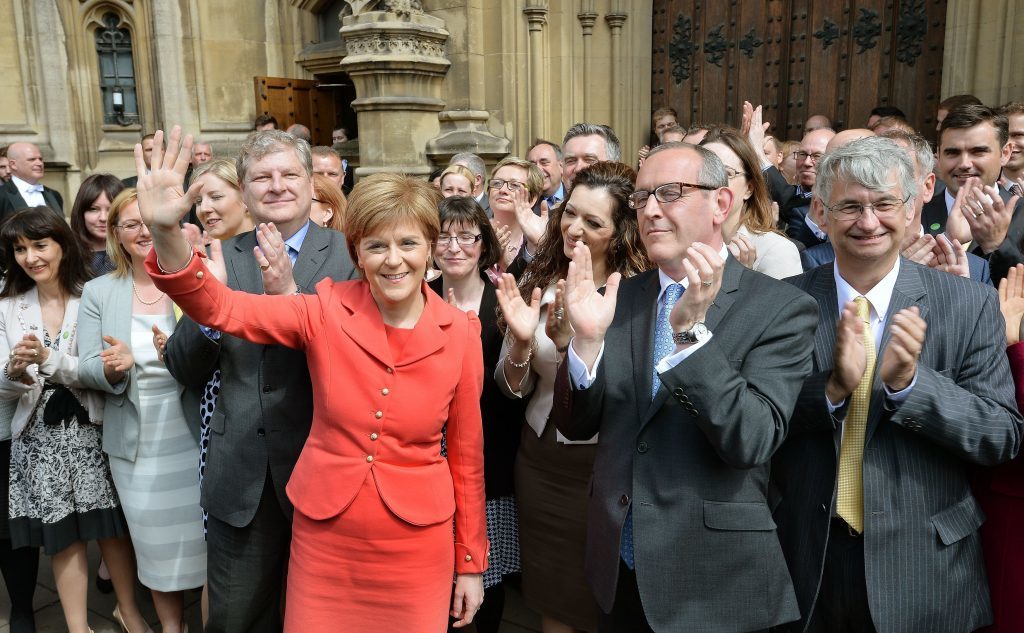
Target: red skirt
(368, 570)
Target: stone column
(615, 21)
(537, 17)
(587, 17)
(397, 62)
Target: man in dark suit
(793, 214)
(147, 157)
(875, 512)
(692, 398)
(24, 190)
(972, 150)
(916, 246)
(547, 156)
(265, 407)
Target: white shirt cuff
(580, 376)
(675, 358)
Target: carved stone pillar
(537, 17)
(397, 62)
(587, 17)
(615, 21)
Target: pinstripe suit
(923, 566)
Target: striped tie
(850, 500)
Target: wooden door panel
(297, 101)
(798, 57)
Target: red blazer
(373, 415)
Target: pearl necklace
(143, 301)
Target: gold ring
(265, 267)
(706, 284)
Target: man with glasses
(793, 217)
(689, 372)
(910, 386)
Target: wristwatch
(696, 334)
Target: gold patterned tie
(850, 501)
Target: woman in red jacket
(391, 364)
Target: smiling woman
(363, 545)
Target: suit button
(379, 415)
(266, 388)
(374, 436)
(468, 558)
(369, 458)
(824, 508)
(385, 391)
(390, 371)
(199, 275)
(678, 392)
(642, 447)
(624, 500)
(260, 433)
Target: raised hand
(272, 257)
(957, 227)
(704, 271)
(850, 359)
(919, 248)
(989, 216)
(508, 251)
(159, 342)
(951, 257)
(522, 317)
(557, 326)
(162, 199)
(755, 128)
(1011, 302)
(531, 225)
(899, 361)
(590, 313)
(743, 250)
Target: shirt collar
(950, 199)
(24, 187)
(296, 240)
(667, 281)
(879, 296)
(558, 195)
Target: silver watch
(696, 334)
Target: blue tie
(292, 253)
(663, 346)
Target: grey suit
(693, 463)
(922, 556)
(106, 310)
(260, 424)
(824, 253)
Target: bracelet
(522, 365)
(8, 376)
(191, 254)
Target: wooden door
(798, 57)
(297, 101)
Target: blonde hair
(219, 167)
(329, 194)
(534, 177)
(384, 200)
(458, 170)
(117, 253)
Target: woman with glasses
(61, 494)
(154, 458)
(551, 472)
(89, 218)
(329, 204)
(466, 248)
(513, 189)
(749, 229)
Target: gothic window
(117, 72)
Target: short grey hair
(917, 145)
(260, 144)
(868, 162)
(472, 162)
(612, 147)
(712, 171)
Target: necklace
(143, 301)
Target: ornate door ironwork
(798, 57)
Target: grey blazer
(265, 406)
(107, 311)
(693, 463)
(922, 554)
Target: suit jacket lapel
(51, 200)
(311, 257)
(121, 304)
(365, 326)
(243, 273)
(909, 291)
(644, 309)
(823, 289)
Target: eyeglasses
(802, 155)
(668, 192)
(734, 173)
(464, 239)
(132, 226)
(513, 185)
(853, 210)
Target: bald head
(847, 136)
(816, 122)
(26, 162)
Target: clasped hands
(28, 351)
(899, 360)
(979, 214)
